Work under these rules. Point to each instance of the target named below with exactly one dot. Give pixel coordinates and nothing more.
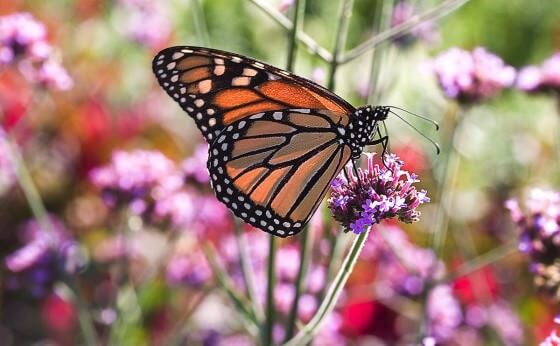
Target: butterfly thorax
(363, 125)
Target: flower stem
(438, 11)
(271, 280)
(40, 213)
(247, 271)
(340, 39)
(328, 304)
(305, 251)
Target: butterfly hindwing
(218, 88)
(273, 168)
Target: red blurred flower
(369, 318)
(465, 288)
(58, 314)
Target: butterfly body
(276, 140)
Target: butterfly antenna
(438, 150)
(433, 122)
(356, 172)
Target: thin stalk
(299, 11)
(40, 214)
(305, 251)
(247, 271)
(271, 280)
(177, 333)
(200, 23)
(438, 11)
(446, 190)
(279, 18)
(328, 304)
(225, 283)
(340, 39)
(481, 261)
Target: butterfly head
(363, 126)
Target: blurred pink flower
(194, 167)
(190, 269)
(541, 78)
(540, 236)
(471, 76)
(377, 193)
(24, 40)
(146, 22)
(427, 32)
(553, 339)
(443, 312)
(7, 176)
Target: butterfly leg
(384, 141)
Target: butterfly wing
(273, 168)
(218, 88)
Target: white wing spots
(276, 221)
(285, 73)
(212, 121)
(171, 65)
(236, 59)
(258, 212)
(249, 72)
(190, 109)
(210, 136)
(277, 115)
(257, 116)
(192, 96)
(165, 84)
(247, 206)
(235, 136)
(221, 139)
(203, 128)
(177, 55)
(219, 70)
(183, 90)
(219, 61)
(297, 225)
(187, 50)
(263, 223)
(215, 151)
(272, 76)
(258, 64)
(175, 78)
(183, 100)
(303, 110)
(280, 232)
(159, 61)
(163, 75)
(286, 224)
(240, 81)
(210, 111)
(199, 116)
(341, 130)
(205, 86)
(229, 191)
(224, 146)
(241, 124)
(175, 96)
(199, 102)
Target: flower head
(426, 31)
(24, 40)
(377, 193)
(541, 78)
(540, 236)
(444, 313)
(146, 22)
(553, 339)
(471, 76)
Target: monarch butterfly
(276, 140)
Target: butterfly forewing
(273, 168)
(218, 88)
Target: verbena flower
(471, 76)
(540, 78)
(23, 40)
(194, 168)
(377, 193)
(540, 236)
(443, 312)
(188, 266)
(43, 257)
(146, 22)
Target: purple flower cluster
(44, 256)
(377, 193)
(443, 312)
(188, 265)
(540, 236)
(471, 76)
(149, 184)
(146, 22)
(24, 40)
(427, 32)
(540, 78)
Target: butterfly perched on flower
(276, 140)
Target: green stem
(340, 39)
(200, 23)
(279, 18)
(226, 284)
(328, 304)
(40, 214)
(433, 13)
(299, 11)
(271, 280)
(305, 251)
(247, 271)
